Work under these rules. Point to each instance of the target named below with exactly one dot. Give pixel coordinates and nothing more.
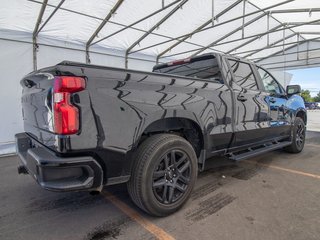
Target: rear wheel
(164, 174)
(298, 136)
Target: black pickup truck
(88, 126)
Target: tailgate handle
(28, 83)
(242, 98)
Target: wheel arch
(302, 114)
(185, 127)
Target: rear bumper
(58, 173)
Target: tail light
(66, 115)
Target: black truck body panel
(119, 107)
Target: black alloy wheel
(171, 177)
(298, 136)
(163, 175)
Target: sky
(308, 79)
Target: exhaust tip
(22, 170)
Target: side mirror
(293, 89)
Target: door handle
(242, 98)
(272, 100)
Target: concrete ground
(274, 196)
(313, 120)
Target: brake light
(178, 62)
(65, 114)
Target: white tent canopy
(278, 34)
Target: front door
(251, 111)
(279, 114)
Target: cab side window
(243, 75)
(269, 83)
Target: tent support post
(34, 35)
(96, 32)
(243, 14)
(268, 28)
(213, 18)
(308, 52)
(298, 37)
(37, 30)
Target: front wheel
(164, 174)
(298, 136)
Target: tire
(163, 175)
(298, 136)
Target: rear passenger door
(277, 100)
(251, 111)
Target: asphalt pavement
(273, 196)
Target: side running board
(252, 152)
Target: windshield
(203, 67)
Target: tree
(305, 94)
(317, 98)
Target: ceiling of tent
(171, 29)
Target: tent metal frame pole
(136, 22)
(225, 22)
(299, 23)
(243, 19)
(290, 61)
(75, 49)
(162, 20)
(252, 40)
(270, 14)
(310, 33)
(308, 43)
(197, 29)
(268, 46)
(286, 54)
(212, 12)
(115, 23)
(103, 23)
(218, 44)
(295, 66)
(275, 46)
(50, 16)
(298, 10)
(255, 35)
(284, 38)
(276, 54)
(35, 34)
(229, 34)
(298, 46)
(268, 28)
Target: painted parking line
(158, 232)
(284, 169)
